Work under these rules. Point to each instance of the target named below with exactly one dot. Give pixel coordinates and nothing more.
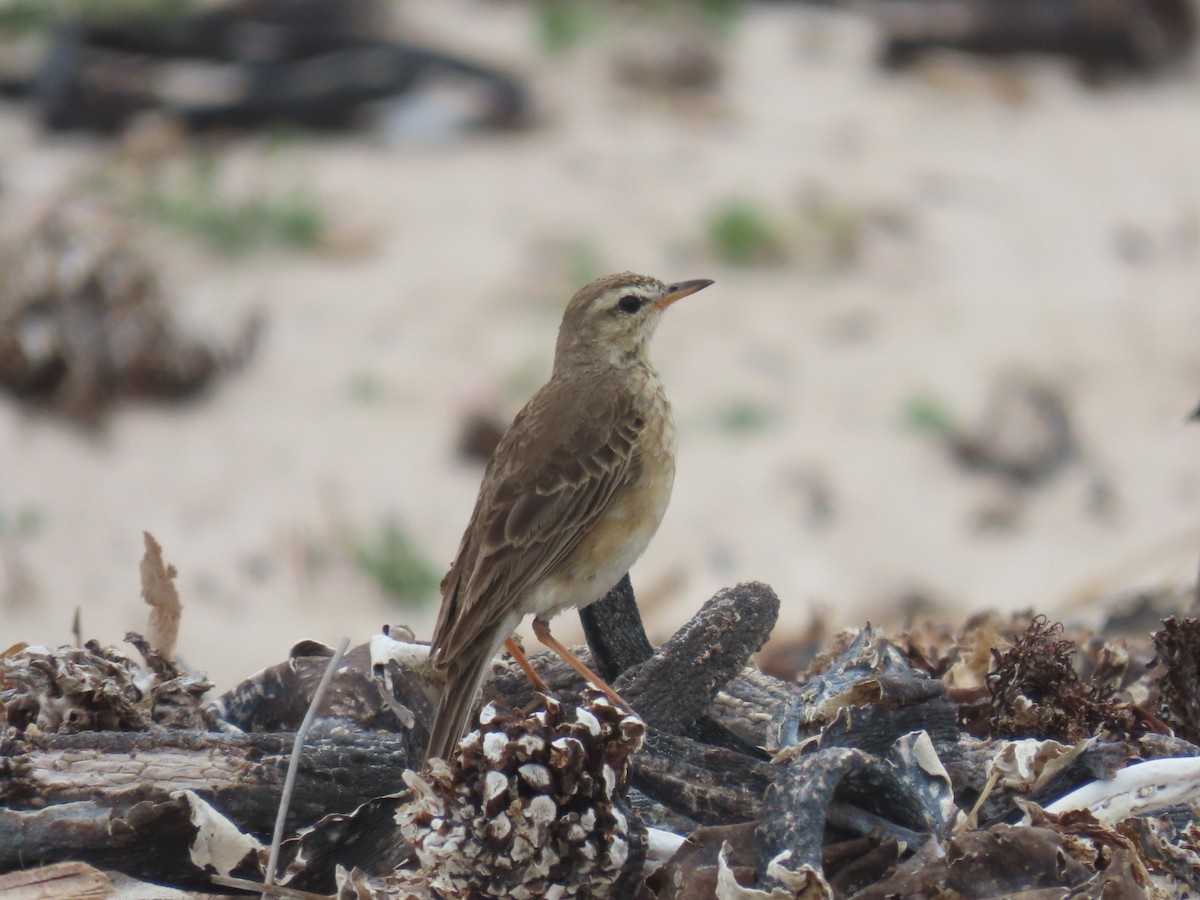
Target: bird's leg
(515, 651)
(541, 628)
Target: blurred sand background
(1003, 215)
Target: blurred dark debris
(245, 64)
(676, 62)
(479, 434)
(1143, 610)
(84, 321)
(814, 494)
(1012, 756)
(1023, 439)
(1102, 36)
(1024, 436)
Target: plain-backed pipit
(571, 496)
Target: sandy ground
(1036, 223)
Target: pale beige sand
(1015, 211)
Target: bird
(570, 497)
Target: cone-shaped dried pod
(531, 805)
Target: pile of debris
(1002, 757)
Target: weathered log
(239, 774)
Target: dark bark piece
(691, 873)
(741, 709)
(849, 819)
(1009, 858)
(708, 730)
(796, 806)
(871, 693)
(1004, 861)
(748, 704)
(674, 688)
(658, 815)
(866, 866)
(708, 784)
(876, 727)
(368, 839)
(614, 632)
(145, 838)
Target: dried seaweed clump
(94, 688)
(532, 805)
(84, 320)
(1036, 692)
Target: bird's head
(610, 320)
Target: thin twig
(289, 781)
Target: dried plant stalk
(158, 590)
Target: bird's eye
(630, 303)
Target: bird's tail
(464, 675)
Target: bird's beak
(681, 290)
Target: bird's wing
(544, 489)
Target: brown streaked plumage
(571, 496)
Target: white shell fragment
(586, 719)
(805, 884)
(1136, 790)
(487, 715)
(495, 784)
(219, 843)
(494, 743)
(542, 810)
(660, 847)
